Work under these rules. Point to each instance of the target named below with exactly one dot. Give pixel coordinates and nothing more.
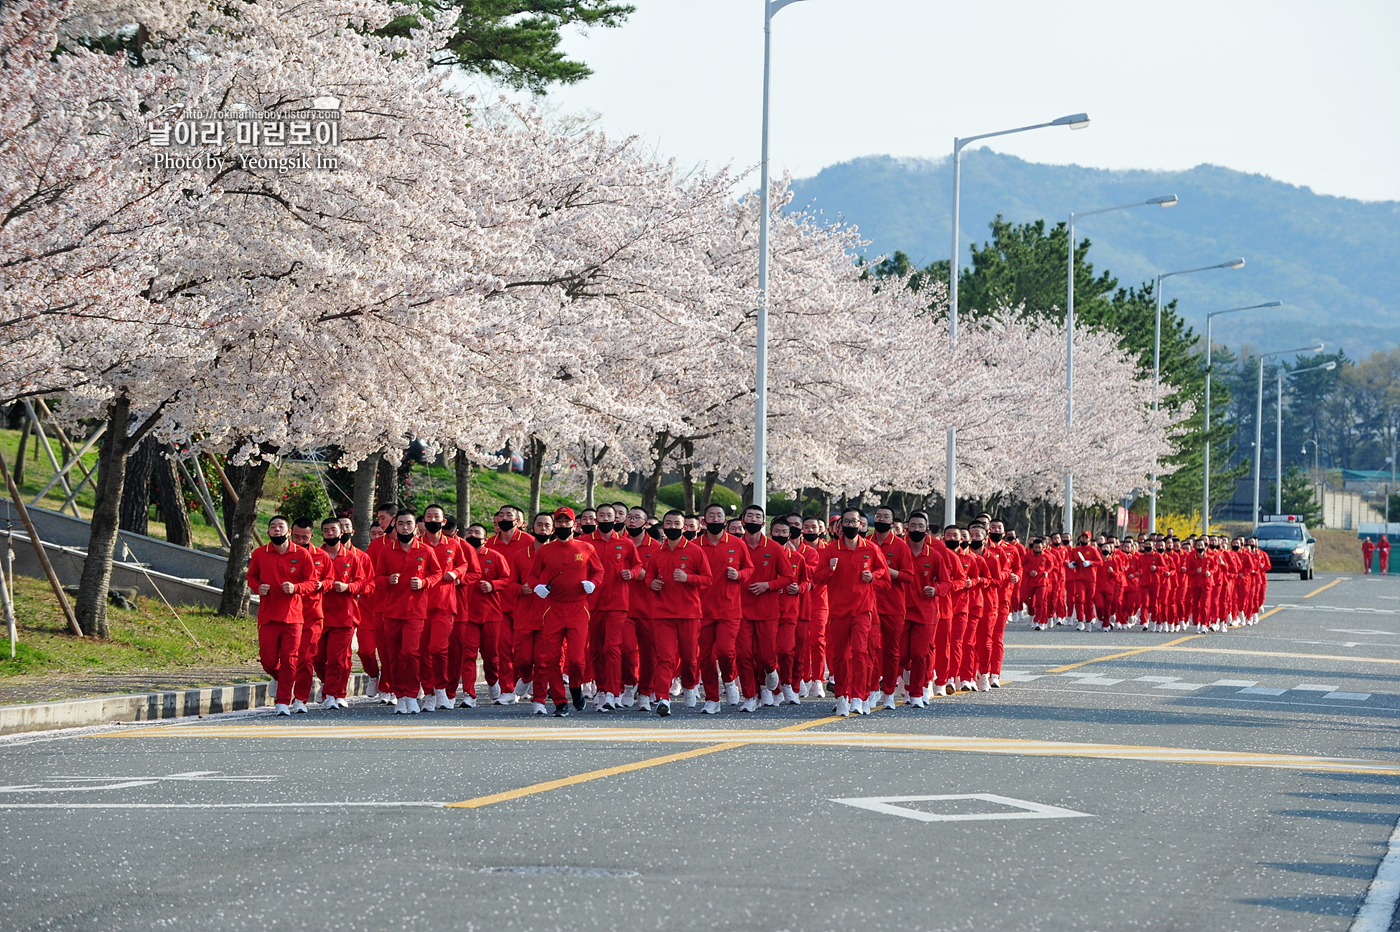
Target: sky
(1304, 92)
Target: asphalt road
(1137, 781)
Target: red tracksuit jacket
(891, 601)
(399, 601)
(770, 565)
(617, 553)
(680, 600)
(563, 565)
(352, 567)
(847, 594)
(267, 566)
(484, 608)
(723, 599)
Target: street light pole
(760, 408)
(1210, 319)
(1157, 369)
(1165, 200)
(1259, 418)
(1278, 432)
(1073, 121)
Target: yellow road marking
(1339, 579)
(1126, 653)
(545, 787)
(723, 739)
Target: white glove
(542, 591)
(588, 586)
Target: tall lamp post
(1157, 368)
(1165, 200)
(1205, 486)
(1259, 417)
(1278, 431)
(760, 405)
(1073, 121)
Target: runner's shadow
(1379, 799)
(1340, 815)
(1092, 716)
(1355, 871)
(1320, 905)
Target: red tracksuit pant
(717, 654)
(849, 640)
(1081, 599)
(894, 650)
(917, 645)
(278, 642)
(370, 638)
(957, 635)
(619, 665)
(669, 636)
(306, 658)
(755, 653)
(432, 652)
(564, 623)
(942, 649)
(646, 653)
(787, 650)
(402, 639)
(814, 663)
(469, 641)
(333, 660)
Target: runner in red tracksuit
(948, 657)
(612, 633)
(722, 608)
(562, 575)
(459, 568)
(513, 543)
(528, 621)
(815, 612)
(756, 649)
(1039, 570)
(995, 576)
(374, 656)
(853, 570)
(930, 581)
(979, 578)
(312, 617)
(886, 637)
(790, 607)
(1009, 596)
(279, 574)
(1082, 563)
(406, 571)
(639, 610)
(678, 574)
(478, 627)
(352, 578)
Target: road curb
(143, 707)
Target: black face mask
(975, 545)
(753, 527)
(673, 533)
(586, 529)
(475, 542)
(542, 538)
(330, 543)
(811, 538)
(950, 543)
(996, 536)
(278, 540)
(780, 541)
(432, 527)
(850, 533)
(715, 527)
(918, 536)
(882, 527)
(405, 538)
(607, 527)
(689, 535)
(563, 533)
(636, 531)
(506, 526)
(654, 531)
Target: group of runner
(624, 611)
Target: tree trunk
(135, 512)
(91, 607)
(363, 507)
(463, 468)
(505, 463)
(172, 502)
(746, 496)
(385, 482)
(23, 442)
(537, 451)
(687, 480)
(235, 598)
(651, 488)
(708, 494)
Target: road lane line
(353, 804)
(1126, 653)
(1339, 579)
(1378, 909)
(1270, 653)
(545, 787)
(794, 738)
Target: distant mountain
(1334, 262)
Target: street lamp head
(1073, 121)
(1272, 304)
(1166, 200)
(1330, 366)
(1237, 264)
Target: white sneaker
(644, 703)
(429, 703)
(663, 707)
(689, 696)
(496, 690)
(413, 707)
(984, 682)
(765, 696)
(330, 705)
(629, 697)
(790, 696)
(388, 698)
(342, 703)
(843, 706)
(298, 705)
(858, 707)
(507, 699)
(1079, 627)
(711, 707)
(749, 705)
(919, 702)
(590, 689)
(272, 689)
(996, 681)
(802, 689)
(772, 679)
(468, 701)
(675, 687)
(731, 692)
(606, 701)
(401, 707)
(889, 703)
(522, 688)
(283, 709)
(818, 690)
(372, 687)
(873, 700)
(537, 708)
(940, 691)
(443, 702)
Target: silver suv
(1289, 546)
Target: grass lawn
(149, 638)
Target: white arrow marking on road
(1027, 809)
(29, 788)
(1358, 631)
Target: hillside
(1334, 262)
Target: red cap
(564, 512)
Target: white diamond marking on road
(1095, 681)
(1348, 697)
(1262, 691)
(1315, 688)
(1185, 687)
(1160, 679)
(1243, 684)
(1028, 810)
